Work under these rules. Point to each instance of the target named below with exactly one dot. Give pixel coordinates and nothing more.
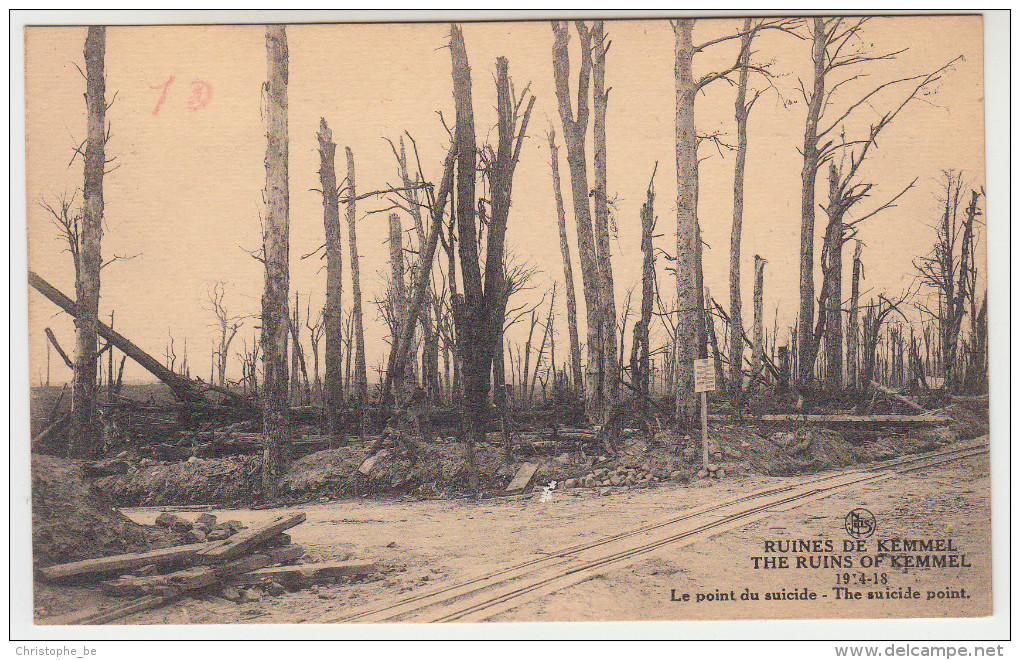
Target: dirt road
(422, 546)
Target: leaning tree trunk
(360, 369)
(607, 298)
(573, 137)
(742, 110)
(568, 270)
(852, 361)
(806, 349)
(687, 238)
(642, 329)
(333, 312)
(276, 250)
(84, 423)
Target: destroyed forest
(318, 312)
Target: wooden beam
(307, 572)
(125, 562)
(243, 541)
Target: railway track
(480, 598)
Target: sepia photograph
(566, 320)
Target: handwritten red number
(201, 94)
(162, 97)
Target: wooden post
(704, 430)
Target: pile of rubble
(239, 563)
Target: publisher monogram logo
(860, 523)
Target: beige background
(188, 191)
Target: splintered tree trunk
(833, 276)
(398, 297)
(568, 270)
(742, 109)
(573, 136)
(805, 338)
(276, 249)
(469, 317)
(332, 315)
(607, 298)
(687, 239)
(84, 416)
(759, 287)
(642, 328)
(852, 363)
(360, 375)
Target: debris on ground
(248, 564)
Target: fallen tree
(183, 388)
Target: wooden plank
(188, 579)
(307, 572)
(840, 419)
(243, 541)
(70, 618)
(122, 563)
(523, 477)
(896, 395)
(285, 554)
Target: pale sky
(187, 194)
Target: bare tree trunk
(276, 250)
(607, 297)
(687, 236)
(759, 287)
(295, 369)
(852, 363)
(573, 136)
(469, 317)
(84, 415)
(805, 339)
(642, 329)
(360, 375)
(568, 270)
(742, 110)
(833, 267)
(333, 310)
(397, 296)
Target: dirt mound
(72, 520)
(233, 480)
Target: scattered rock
(174, 522)
(148, 569)
(274, 589)
(391, 544)
(615, 480)
(676, 475)
(570, 483)
(218, 534)
(195, 535)
(231, 594)
(702, 473)
(203, 527)
(207, 519)
(603, 492)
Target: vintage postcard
(659, 319)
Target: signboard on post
(704, 375)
